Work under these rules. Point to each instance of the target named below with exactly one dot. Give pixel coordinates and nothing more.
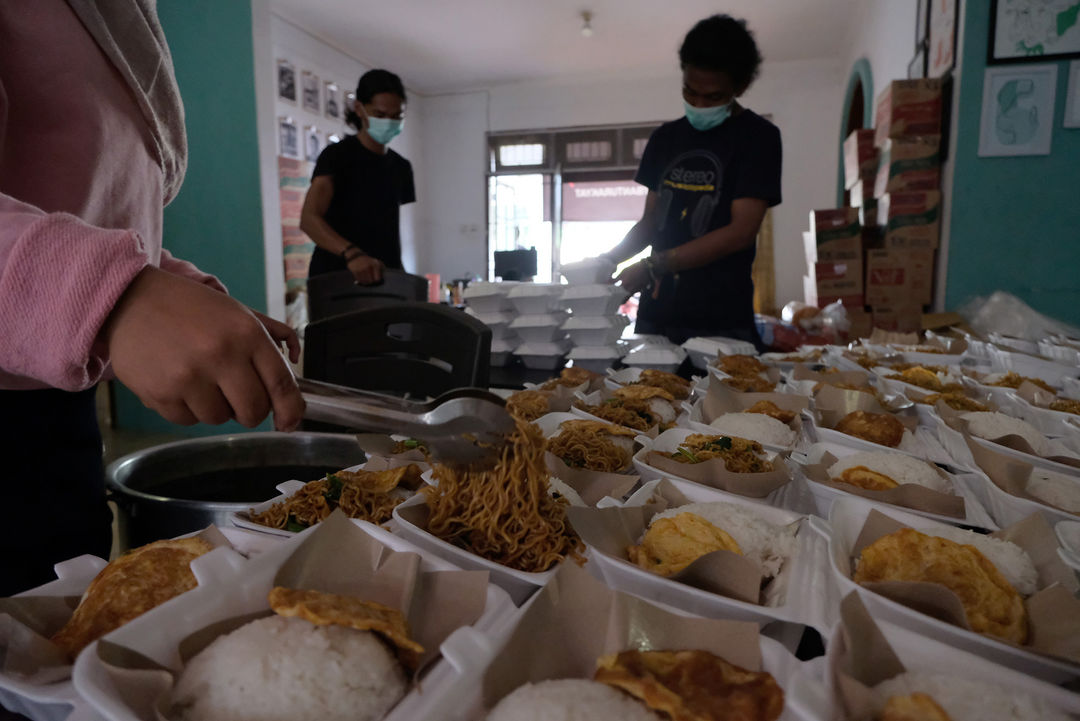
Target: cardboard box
(811, 296)
(906, 108)
(899, 319)
(828, 282)
(868, 216)
(908, 164)
(862, 323)
(835, 236)
(910, 219)
(860, 156)
(899, 277)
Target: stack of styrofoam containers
(538, 321)
(594, 326)
(488, 303)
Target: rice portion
(287, 669)
(569, 699)
(765, 543)
(757, 427)
(992, 425)
(1055, 489)
(1013, 562)
(900, 467)
(967, 700)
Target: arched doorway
(858, 112)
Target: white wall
(803, 99)
(883, 32)
(278, 38)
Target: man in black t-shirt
(711, 176)
(351, 210)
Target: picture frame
(941, 37)
(1018, 110)
(922, 17)
(917, 65)
(332, 100)
(313, 143)
(286, 81)
(288, 137)
(1072, 97)
(1031, 31)
(311, 92)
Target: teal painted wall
(216, 220)
(1015, 221)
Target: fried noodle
(586, 444)
(317, 500)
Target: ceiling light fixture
(586, 25)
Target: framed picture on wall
(288, 137)
(309, 86)
(286, 81)
(1033, 31)
(941, 38)
(1017, 110)
(921, 22)
(332, 97)
(313, 143)
(1072, 97)
(917, 67)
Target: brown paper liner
(953, 419)
(337, 557)
(575, 619)
(715, 474)
(611, 531)
(720, 400)
(1007, 473)
(28, 622)
(856, 378)
(832, 403)
(906, 495)
(1053, 613)
(864, 659)
(590, 485)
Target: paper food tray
(54, 701)
(809, 597)
(919, 653)
(975, 512)
(846, 520)
(470, 655)
(239, 589)
(519, 584)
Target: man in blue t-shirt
(711, 176)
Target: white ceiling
(441, 46)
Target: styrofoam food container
(586, 300)
(808, 598)
(233, 589)
(484, 297)
(1068, 535)
(1055, 424)
(665, 359)
(596, 358)
(501, 350)
(590, 271)
(975, 514)
(1026, 365)
(1014, 344)
(595, 330)
(703, 350)
(846, 520)
(917, 652)
(534, 298)
(499, 323)
(541, 328)
(1005, 508)
(519, 584)
(1059, 352)
(543, 356)
(668, 442)
(470, 653)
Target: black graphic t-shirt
(696, 175)
(369, 189)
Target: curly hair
(722, 43)
(371, 84)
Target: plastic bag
(1005, 314)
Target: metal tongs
(461, 426)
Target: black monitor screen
(515, 264)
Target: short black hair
(371, 84)
(722, 43)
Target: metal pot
(177, 488)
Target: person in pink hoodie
(92, 147)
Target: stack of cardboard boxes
(893, 174)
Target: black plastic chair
(408, 348)
(331, 294)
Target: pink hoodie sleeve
(59, 280)
(182, 267)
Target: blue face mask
(383, 130)
(707, 118)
